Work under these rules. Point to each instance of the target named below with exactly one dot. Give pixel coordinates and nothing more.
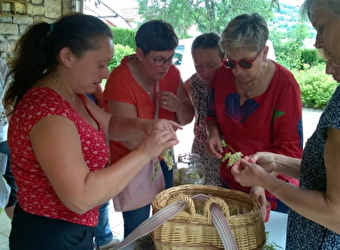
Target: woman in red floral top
(57, 135)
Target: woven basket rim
(213, 190)
(247, 227)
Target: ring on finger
(164, 103)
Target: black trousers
(34, 232)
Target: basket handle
(189, 203)
(168, 212)
(208, 200)
(149, 225)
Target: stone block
(53, 8)
(36, 10)
(9, 28)
(23, 20)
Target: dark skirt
(34, 232)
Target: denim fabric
(8, 175)
(133, 218)
(168, 175)
(103, 231)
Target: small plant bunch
(232, 157)
(168, 159)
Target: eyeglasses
(244, 64)
(162, 61)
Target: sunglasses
(244, 64)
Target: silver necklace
(249, 87)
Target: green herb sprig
(232, 157)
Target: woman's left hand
(169, 101)
(260, 195)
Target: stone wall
(13, 26)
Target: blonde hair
(331, 6)
(245, 31)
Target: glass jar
(188, 170)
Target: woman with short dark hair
(147, 85)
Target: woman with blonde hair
(314, 220)
(256, 104)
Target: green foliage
(310, 58)
(270, 246)
(178, 13)
(316, 87)
(124, 37)
(288, 45)
(120, 52)
(206, 15)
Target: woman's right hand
(214, 147)
(155, 124)
(157, 141)
(266, 160)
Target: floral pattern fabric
(201, 99)
(304, 234)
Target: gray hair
(245, 31)
(331, 6)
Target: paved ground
(310, 119)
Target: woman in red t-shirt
(147, 85)
(256, 103)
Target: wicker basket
(192, 228)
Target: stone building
(17, 15)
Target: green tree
(120, 52)
(207, 15)
(288, 45)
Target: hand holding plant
(232, 157)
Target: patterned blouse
(35, 192)
(301, 232)
(200, 96)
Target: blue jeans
(8, 175)
(133, 218)
(103, 231)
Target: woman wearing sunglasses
(256, 103)
(314, 222)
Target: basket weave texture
(192, 228)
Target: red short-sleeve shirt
(122, 87)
